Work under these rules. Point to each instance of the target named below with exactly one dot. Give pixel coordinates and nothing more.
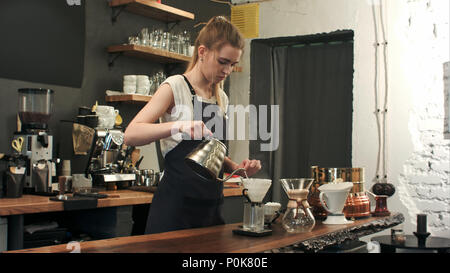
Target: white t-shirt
(183, 109)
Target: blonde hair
(215, 34)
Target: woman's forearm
(229, 165)
(140, 133)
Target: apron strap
(190, 86)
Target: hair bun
(221, 17)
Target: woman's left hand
(251, 167)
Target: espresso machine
(33, 139)
(106, 161)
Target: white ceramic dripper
(336, 195)
(256, 188)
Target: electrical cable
(381, 127)
(386, 90)
(377, 110)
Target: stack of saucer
(129, 84)
(142, 84)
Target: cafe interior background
(395, 55)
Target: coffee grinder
(35, 109)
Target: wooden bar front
(220, 239)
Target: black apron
(183, 199)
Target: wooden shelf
(149, 53)
(131, 98)
(153, 9)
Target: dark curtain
(311, 82)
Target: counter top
(36, 204)
(221, 239)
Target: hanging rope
(377, 109)
(381, 125)
(386, 90)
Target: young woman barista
(184, 200)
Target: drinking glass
(144, 37)
(157, 36)
(165, 41)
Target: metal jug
(207, 158)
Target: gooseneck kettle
(206, 160)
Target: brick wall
(417, 151)
(424, 184)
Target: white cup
(143, 90)
(129, 89)
(131, 81)
(130, 78)
(104, 109)
(142, 78)
(65, 168)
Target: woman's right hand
(193, 130)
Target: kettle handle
(231, 174)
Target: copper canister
(357, 204)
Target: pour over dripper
(336, 195)
(298, 216)
(254, 191)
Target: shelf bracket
(169, 67)
(113, 57)
(169, 28)
(116, 11)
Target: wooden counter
(37, 204)
(220, 239)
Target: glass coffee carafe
(298, 216)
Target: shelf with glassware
(149, 53)
(150, 8)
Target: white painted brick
(441, 152)
(430, 205)
(429, 180)
(423, 192)
(445, 219)
(438, 219)
(422, 165)
(442, 166)
(433, 219)
(431, 125)
(442, 193)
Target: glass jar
(157, 37)
(165, 41)
(253, 217)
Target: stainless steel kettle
(207, 158)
